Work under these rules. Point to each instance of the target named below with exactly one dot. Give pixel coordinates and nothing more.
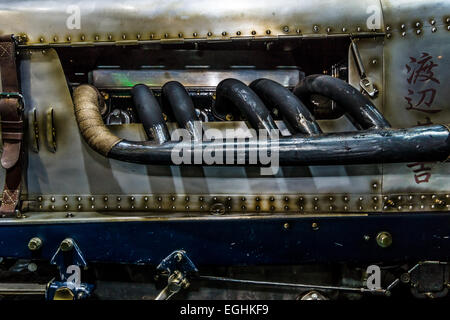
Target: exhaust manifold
(376, 143)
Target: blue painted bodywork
(241, 241)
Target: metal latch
(365, 83)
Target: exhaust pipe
(359, 108)
(150, 114)
(386, 145)
(236, 93)
(177, 98)
(293, 110)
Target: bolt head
(66, 245)
(384, 239)
(35, 244)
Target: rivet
(433, 22)
(41, 39)
(301, 208)
(186, 199)
(315, 226)
(272, 199)
(79, 199)
(132, 198)
(180, 35)
(417, 24)
(375, 199)
(243, 199)
(238, 33)
(96, 38)
(433, 29)
(66, 206)
(39, 199)
(228, 198)
(328, 30)
(432, 206)
(105, 198)
(418, 31)
(316, 28)
(258, 208)
(52, 199)
(331, 198)
(448, 28)
(65, 198)
(209, 34)
(345, 208)
(272, 208)
(388, 28)
(286, 29)
(267, 31)
(92, 199)
(69, 215)
(159, 199)
(422, 206)
(109, 37)
(55, 39)
(257, 199)
(375, 185)
(195, 34)
(399, 197)
(138, 36)
(388, 36)
(215, 198)
(286, 199)
(69, 38)
(410, 207)
(83, 37)
(403, 34)
(286, 208)
(53, 207)
(358, 29)
(79, 207)
(118, 206)
(422, 197)
(375, 208)
(331, 208)
(119, 198)
(399, 207)
(92, 207)
(346, 199)
(316, 208)
(201, 199)
(360, 208)
(187, 207)
(298, 31)
(410, 197)
(145, 198)
(172, 198)
(316, 199)
(361, 198)
(253, 32)
(447, 20)
(403, 26)
(385, 197)
(166, 35)
(286, 226)
(344, 29)
(243, 207)
(433, 196)
(300, 199)
(224, 33)
(152, 36)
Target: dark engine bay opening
(200, 67)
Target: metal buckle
(17, 95)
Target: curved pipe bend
(424, 143)
(150, 114)
(359, 108)
(293, 110)
(234, 92)
(178, 99)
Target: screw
(35, 244)
(66, 245)
(384, 239)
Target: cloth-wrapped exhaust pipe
(423, 143)
(177, 98)
(150, 114)
(359, 108)
(296, 114)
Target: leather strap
(11, 126)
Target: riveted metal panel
(417, 64)
(129, 22)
